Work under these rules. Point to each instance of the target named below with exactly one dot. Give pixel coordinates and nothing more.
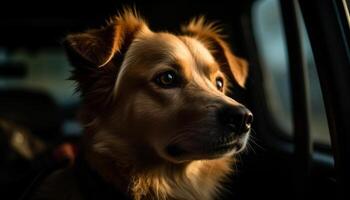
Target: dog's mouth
(206, 150)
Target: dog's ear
(234, 67)
(98, 46)
(91, 52)
(93, 48)
(96, 56)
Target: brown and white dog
(158, 123)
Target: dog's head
(160, 94)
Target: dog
(158, 123)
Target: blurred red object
(65, 151)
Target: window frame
(271, 133)
(329, 40)
(332, 65)
(278, 136)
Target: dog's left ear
(234, 67)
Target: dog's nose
(236, 119)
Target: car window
(268, 30)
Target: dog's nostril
(249, 119)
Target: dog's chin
(185, 152)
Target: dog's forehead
(198, 50)
(186, 51)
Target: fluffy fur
(129, 123)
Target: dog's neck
(192, 181)
(164, 181)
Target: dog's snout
(237, 119)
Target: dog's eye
(219, 83)
(168, 79)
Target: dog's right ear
(94, 48)
(91, 52)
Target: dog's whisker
(252, 139)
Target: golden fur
(128, 122)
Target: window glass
(268, 28)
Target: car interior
(298, 89)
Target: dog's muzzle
(229, 134)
